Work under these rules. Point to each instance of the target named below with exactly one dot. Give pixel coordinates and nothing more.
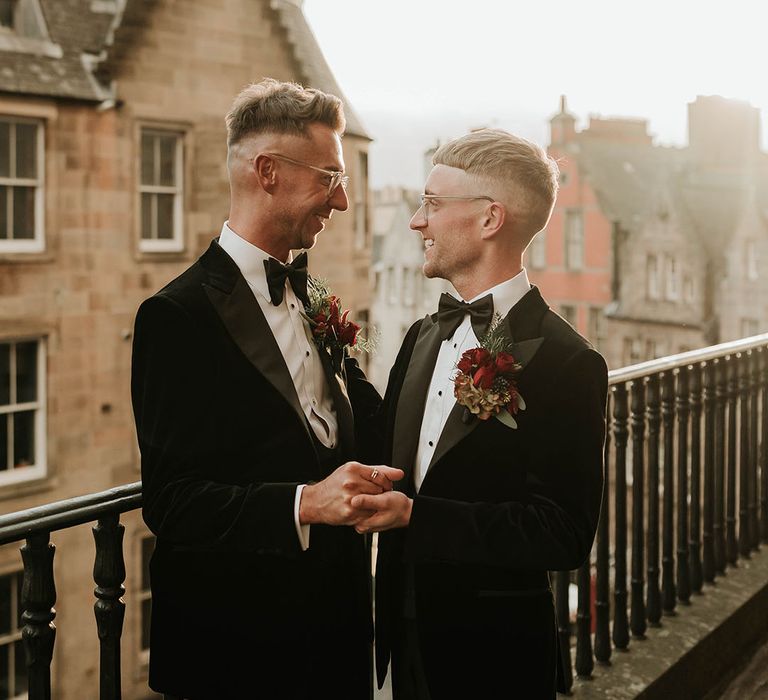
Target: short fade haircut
(282, 108)
(513, 162)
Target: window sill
(27, 487)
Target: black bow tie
(295, 272)
(450, 314)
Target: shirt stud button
(439, 393)
(431, 444)
(455, 345)
(307, 353)
(293, 306)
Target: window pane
(5, 374)
(26, 371)
(168, 160)
(24, 212)
(5, 691)
(147, 159)
(21, 669)
(26, 150)
(23, 439)
(5, 604)
(3, 212)
(146, 216)
(146, 608)
(5, 150)
(165, 216)
(4, 421)
(147, 547)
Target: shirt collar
(507, 294)
(248, 258)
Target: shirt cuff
(301, 530)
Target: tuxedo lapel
(413, 396)
(239, 311)
(340, 402)
(520, 324)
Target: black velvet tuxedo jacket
(238, 610)
(498, 508)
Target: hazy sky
(421, 70)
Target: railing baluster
(707, 540)
(764, 445)
(683, 411)
(754, 526)
(718, 529)
(731, 543)
(38, 595)
(584, 661)
(653, 592)
(695, 529)
(637, 609)
(621, 435)
(744, 543)
(563, 613)
(109, 574)
(668, 514)
(602, 574)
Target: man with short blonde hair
(491, 499)
(248, 443)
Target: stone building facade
(112, 181)
(651, 250)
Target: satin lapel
(524, 319)
(413, 396)
(340, 403)
(245, 322)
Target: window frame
(537, 256)
(568, 239)
(175, 244)
(39, 470)
(15, 635)
(36, 244)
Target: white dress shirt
(293, 336)
(440, 398)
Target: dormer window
(8, 14)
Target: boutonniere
(486, 379)
(332, 330)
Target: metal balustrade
(691, 428)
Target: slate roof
(313, 64)
(88, 38)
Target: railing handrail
(69, 512)
(683, 359)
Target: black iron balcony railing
(698, 424)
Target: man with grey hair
(500, 434)
(259, 581)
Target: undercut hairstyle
(282, 108)
(519, 166)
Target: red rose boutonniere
(485, 381)
(332, 330)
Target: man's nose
(339, 199)
(418, 220)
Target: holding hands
(332, 500)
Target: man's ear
(492, 220)
(264, 170)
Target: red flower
(483, 378)
(476, 357)
(347, 334)
(505, 363)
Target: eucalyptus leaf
(520, 403)
(506, 418)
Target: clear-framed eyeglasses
(334, 177)
(428, 200)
